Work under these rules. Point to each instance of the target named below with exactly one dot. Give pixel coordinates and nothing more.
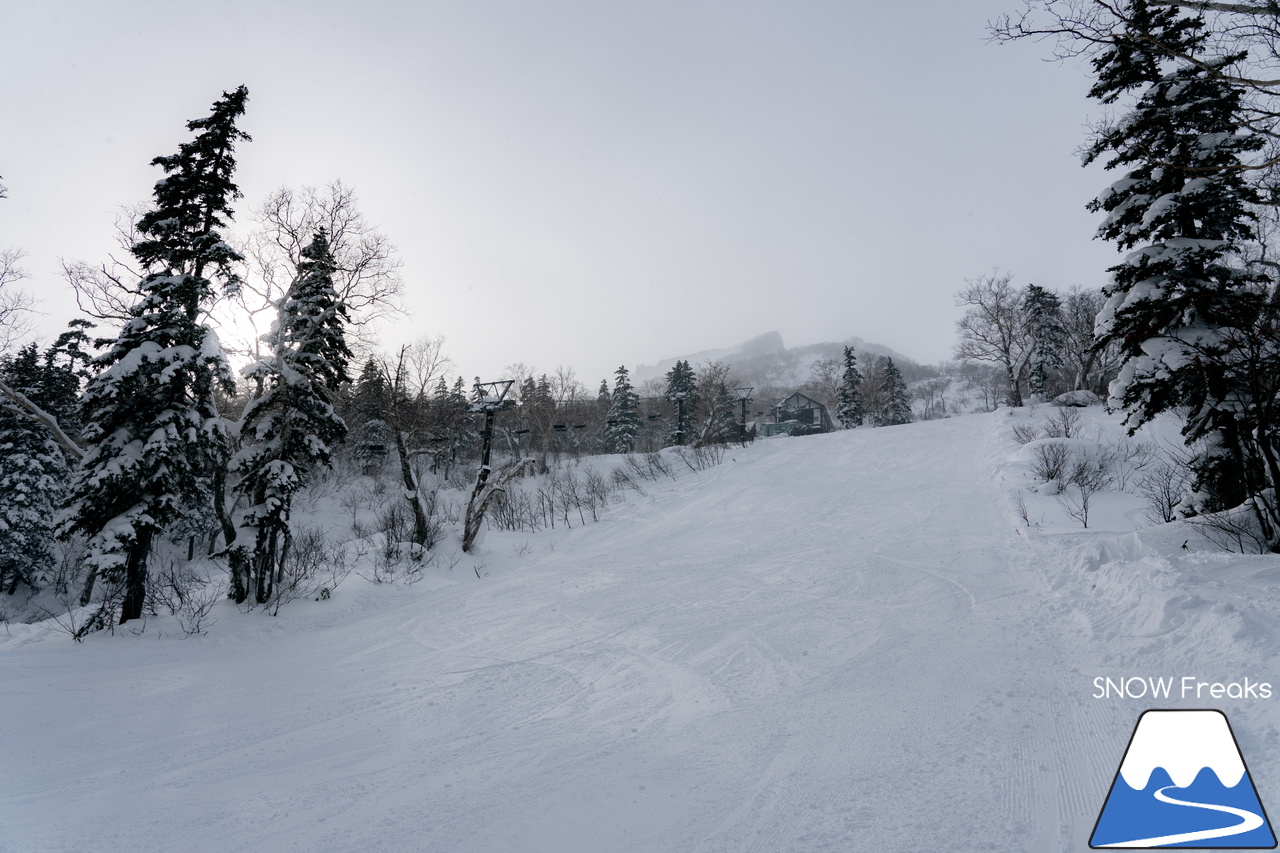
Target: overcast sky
(585, 183)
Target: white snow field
(848, 642)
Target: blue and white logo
(1183, 783)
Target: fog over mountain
(766, 361)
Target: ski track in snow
(830, 644)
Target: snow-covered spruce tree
(1044, 323)
(623, 422)
(453, 424)
(444, 422)
(1183, 208)
(288, 431)
(34, 465)
(38, 429)
(370, 403)
(151, 423)
(849, 410)
(897, 408)
(33, 468)
(538, 415)
(682, 391)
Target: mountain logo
(1182, 783)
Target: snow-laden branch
(1211, 6)
(20, 404)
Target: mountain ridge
(766, 360)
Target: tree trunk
(280, 559)
(135, 577)
(240, 565)
(264, 560)
(86, 595)
(1015, 393)
(220, 504)
(420, 531)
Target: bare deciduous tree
(1086, 366)
(932, 394)
(418, 366)
(15, 304)
(107, 291)
(565, 387)
(872, 393)
(518, 372)
(993, 328)
(425, 364)
(367, 278)
(824, 379)
(717, 404)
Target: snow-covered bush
(1163, 484)
(1025, 432)
(1050, 460)
(1089, 470)
(1063, 423)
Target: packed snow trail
(836, 643)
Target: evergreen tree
(538, 411)
(439, 425)
(1183, 206)
(1044, 322)
(897, 408)
(682, 391)
(150, 416)
(623, 422)
(466, 436)
(850, 411)
(289, 430)
(66, 369)
(33, 468)
(370, 396)
(370, 400)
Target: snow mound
(1079, 399)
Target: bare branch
(426, 363)
(367, 276)
(106, 292)
(15, 305)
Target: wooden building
(798, 415)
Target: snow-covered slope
(847, 642)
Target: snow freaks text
(1186, 687)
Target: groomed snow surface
(848, 642)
